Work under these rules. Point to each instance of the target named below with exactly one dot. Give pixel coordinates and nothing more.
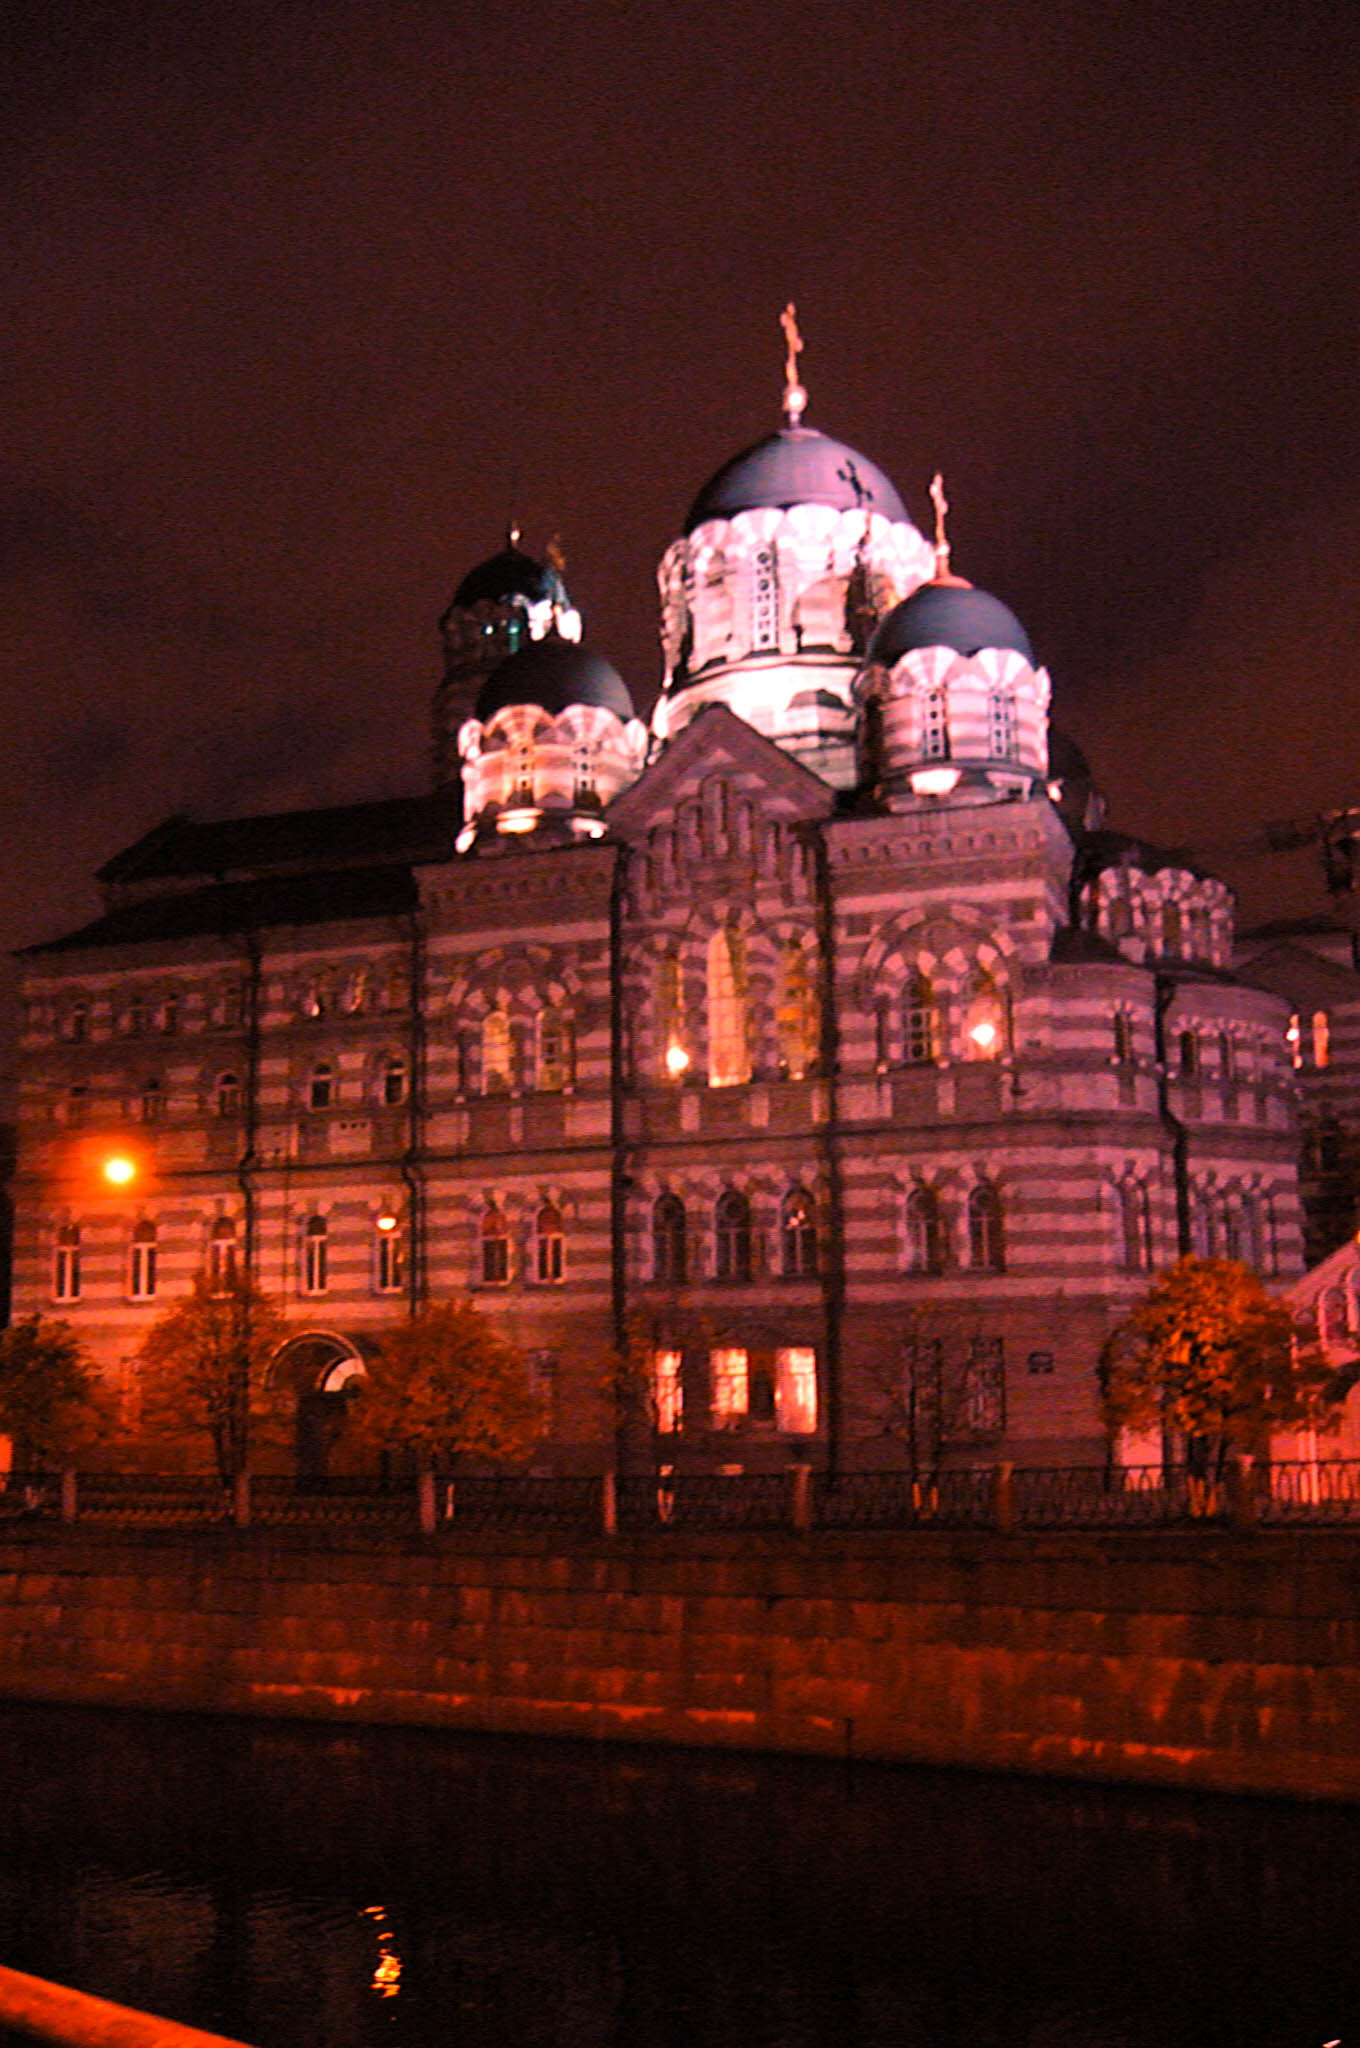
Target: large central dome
(796, 466)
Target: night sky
(300, 302)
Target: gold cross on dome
(941, 504)
(788, 320)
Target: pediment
(716, 744)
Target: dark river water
(302, 1887)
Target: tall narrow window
(1232, 1231)
(169, 1017)
(986, 1250)
(925, 1232)
(142, 1262)
(228, 1095)
(1187, 1054)
(1133, 1222)
(670, 1020)
(729, 1386)
(798, 1236)
(1171, 930)
(729, 1058)
(495, 1247)
(66, 1264)
(315, 1256)
(934, 720)
(495, 1053)
(389, 1254)
(1293, 1038)
(77, 1102)
(669, 1247)
(321, 1087)
(765, 599)
(554, 1052)
(984, 1028)
(984, 1393)
(1123, 1037)
(394, 1073)
(668, 1392)
(137, 1017)
(1203, 1225)
(152, 1102)
(548, 1242)
(795, 1013)
(795, 1390)
(732, 1235)
(1001, 724)
(921, 1035)
(1322, 1039)
(222, 1252)
(78, 1023)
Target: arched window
(142, 1263)
(986, 1249)
(1203, 1225)
(169, 1017)
(921, 1032)
(668, 1392)
(1123, 1037)
(394, 1075)
(151, 1104)
(1322, 1039)
(495, 1247)
(1187, 1054)
(729, 1058)
(495, 1053)
(984, 1027)
(795, 1390)
(1133, 1221)
(672, 1038)
(222, 1252)
(549, 1242)
(669, 1247)
(795, 1013)
(1171, 929)
(925, 1232)
(389, 1254)
(732, 1232)
(934, 725)
(1293, 1038)
(1001, 724)
(553, 1052)
(1119, 918)
(228, 1095)
(66, 1264)
(1227, 1057)
(1332, 1315)
(729, 1385)
(78, 1023)
(764, 599)
(136, 1017)
(798, 1236)
(315, 1273)
(321, 1087)
(1232, 1230)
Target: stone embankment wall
(1192, 1658)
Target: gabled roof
(226, 909)
(1302, 976)
(716, 738)
(347, 836)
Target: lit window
(496, 1053)
(228, 1095)
(1001, 724)
(922, 1021)
(729, 1058)
(554, 1052)
(355, 991)
(142, 1262)
(321, 1088)
(668, 1393)
(669, 1247)
(222, 1252)
(984, 1029)
(798, 1236)
(732, 1229)
(934, 732)
(548, 1242)
(986, 1249)
(315, 1255)
(495, 1247)
(394, 1080)
(729, 1386)
(1322, 1039)
(795, 1014)
(66, 1264)
(1293, 1038)
(795, 1390)
(389, 1255)
(152, 1101)
(671, 1036)
(925, 1232)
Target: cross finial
(941, 504)
(795, 398)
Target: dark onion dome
(948, 615)
(553, 673)
(509, 575)
(796, 466)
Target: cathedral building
(814, 1039)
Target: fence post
(240, 1499)
(1003, 1498)
(425, 1500)
(800, 1500)
(68, 1494)
(609, 1504)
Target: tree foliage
(1210, 1356)
(447, 1383)
(204, 1369)
(52, 1403)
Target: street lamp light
(118, 1170)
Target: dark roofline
(233, 909)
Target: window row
(738, 1386)
(151, 1101)
(139, 1013)
(141, 1258)
(937, 1022)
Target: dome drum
(523, 768)
(942, 725)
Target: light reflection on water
(300, 1887)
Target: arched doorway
(323, 1371)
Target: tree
(52, 1404)
(447, 1382)
(205, 1369)
(1209, 1356)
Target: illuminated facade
(817, 1040)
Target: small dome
(509, 575)
(796, 466)
(553, 673)
(948, 615)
